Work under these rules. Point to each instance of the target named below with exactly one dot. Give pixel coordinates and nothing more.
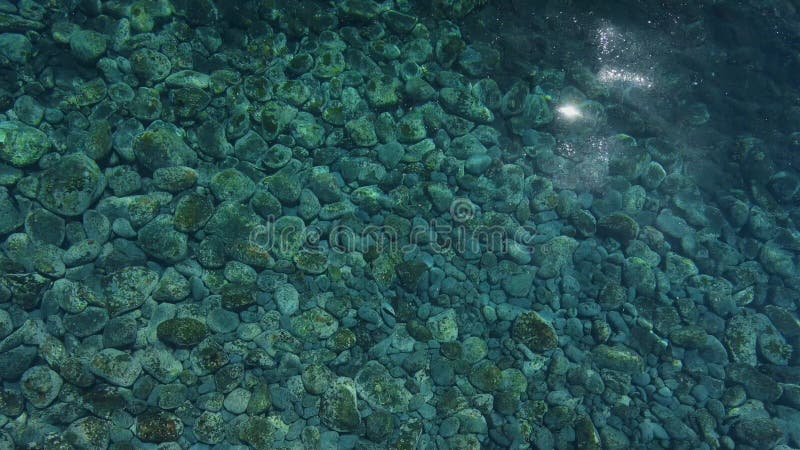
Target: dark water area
(353, 224)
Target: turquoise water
(456, 224)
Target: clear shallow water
(398, 225)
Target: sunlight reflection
(569, 112)
(618, 52)
(612, 74)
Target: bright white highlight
(569, 112)
(611, 74)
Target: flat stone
(116, 367)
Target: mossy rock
(189, 102)
(89, 93)
(259, 432)
(315, 323)
(182, 332)
(486, 377)
(586, 435)
(290, 235)
(342, 339)
(409, 273)
(231, 184)
(26, 288)
(71, 185)
(275, 117)
(22, 145)
(192, 212)
(382, 93)
(160, 240)
(535, 332)
(237, 297)
(313, 262)
(232, 221)
(175, 179)
(362, 132)
(338, 407)
(284, 187)
(250, 252)
(619, 358)
(300, 63)
(382, 391)
(162, 147)
(293, 92)
(158, 426)
(97, 140)
(361, 10)
(150, 65)
(619, 226)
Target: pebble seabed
(331, 225)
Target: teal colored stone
(160, 147)
(362, 132)
(308, 132)
(22, 145)
(463, 103)
(382, 391)
(329, 63)
(383, 92)
(293, 92)
(150, 65)
(161, 240)
(189, 102)
(71, 185)
(411, 128)
(16, 48)
(87, 45)
(618, 358)
(231, 184)
(338, 407)
(534, 331)
(146, 104)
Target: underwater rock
(40, 385)
(160, 240)
(457, 9)
(314, 323)
(463, 103)
(210, 428)
(338, 406)
(90, 433)
(231, 184)
(175, 179)
(183, 332)
(158, 426)
(261, 432)
(22, 145)
(88, 45)
(15, 48)
(11, 217)
(380, 389)
(444, 326)
(535, 332)
(150, 65)
(116, 367)
(619, 226)
(160, 146)
(71, 185)
(128, 287)
(618, 358)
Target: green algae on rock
(22, 145)
(182, 332)
(71, 185)
(534, 331)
